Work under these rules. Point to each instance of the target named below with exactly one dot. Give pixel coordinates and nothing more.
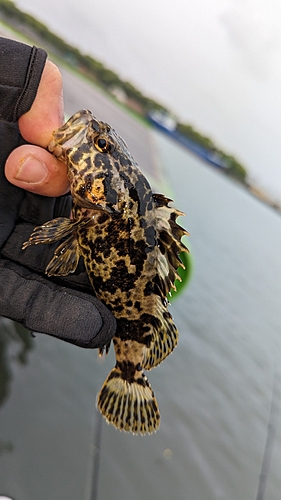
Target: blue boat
(166, 123)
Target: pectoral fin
(65, 259)
(66, 255)
(54, 230)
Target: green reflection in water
(185, 275)
(15, 342)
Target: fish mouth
(95, 205)
(101, 204)
(107, 208)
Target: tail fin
(129, 405)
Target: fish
(130, 243)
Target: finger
(46, 113)
(34, 169)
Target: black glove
(63, 307)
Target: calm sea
(217, 392)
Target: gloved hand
(62, 307)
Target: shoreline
(136, 131)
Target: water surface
(214, 391)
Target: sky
(215, 63)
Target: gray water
(214, 392)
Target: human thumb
(34, 169)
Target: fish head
(97, 159)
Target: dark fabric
(21, 68)
(64, 307)
(45, 307)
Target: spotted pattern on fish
(130, 243)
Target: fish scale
(130, 242)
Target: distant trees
(95, 69)
(232, 166)
(109, 79)
(195, 136)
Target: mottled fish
(130, 243)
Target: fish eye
(102, 145)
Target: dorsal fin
(169, 235)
